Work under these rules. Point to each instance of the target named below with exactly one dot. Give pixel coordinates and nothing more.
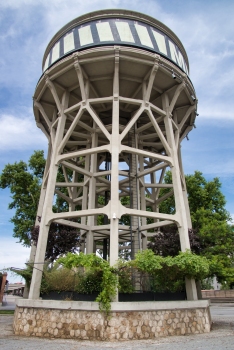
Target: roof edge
(114, 13)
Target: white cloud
(20, 133)
(221, 168)
(216, 110)
(12, 255)
(209, 43)
(209, 166)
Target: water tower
(115, 101)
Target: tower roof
(116, 27)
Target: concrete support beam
(38, 265)
(178, 193)
(115, 150)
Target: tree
(167, 241)
(213, 236)
(24, 181)
(61, 240)
(205, 198)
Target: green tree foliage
(167, 241)
(61, 239)
(205, 199)
(24, 181)
(187, 264)
(213, 236)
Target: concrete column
(184, 190)
(136, 244)
(39, 212)
(114, 193)
(34, 292)
(186, 202)
(143, 202)
(155, 191)
(92, 193)
(73, 191)
(85, 200)
(115, 150)
(191, 289)
(178, 194)
(41, 200)
(33, 246)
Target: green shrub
(89, 282)
(95, 264)
(58, 279)
(89, 273)
(206, 284)
(24, 273)
(167, 274)
(125, 272)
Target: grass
(7, 312)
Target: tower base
(126, 321)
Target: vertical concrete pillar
(92, 193)
(185, 196)
(39, 212)
(38, 265)
(143, 203)
(136, 244)
(115, 150)
(184, 189)
(85, 200)
(114, 199)
(178, 194)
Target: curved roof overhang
(116, 27)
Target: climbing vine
(92, 264)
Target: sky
(207, 32)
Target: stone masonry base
(136, 320)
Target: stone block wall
(212, 294)
(119, 325)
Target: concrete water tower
(115, 101)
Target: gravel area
(221, 337)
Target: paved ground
(221, 337)
(9, 301)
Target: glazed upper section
(116, 27)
